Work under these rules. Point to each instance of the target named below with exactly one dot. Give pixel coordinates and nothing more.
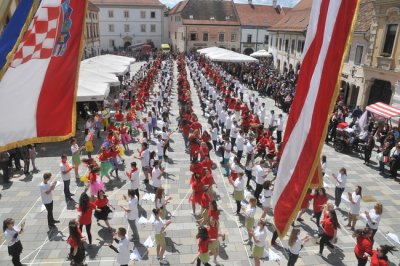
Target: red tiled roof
(128, 2)
(296, 19)
(259, 15)
(209, 12)
(178, 7)
(210, 22)
(364, 18)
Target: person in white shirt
(233, 133)
(144, 156)
(133, 177)
(355, 205)
(132, 213)
(238, 191)
(340, 179)
(227, 154)
(214, 135)
(261, 113)
(222, 118)
(259, 236)
(11, 236)
(46, 190)
(124, 253)
(266, 197)
(160, 147)
(295, 244)
(65, 169)
(373, 218)
(156, 175)
(159, 226)
(239, 145)
(260, 174)
(249, 212)
(228, 123)
(279, 129)
(271, 122)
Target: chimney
(274, 3)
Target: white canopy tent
(93, 75)
(97, 74)
(261, 53)
(210, 50)
(232, 57)
(91, 91)
(223, 55)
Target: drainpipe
(256, 40)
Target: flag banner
(38, 89)
(16, 28)
(331, 22)
(317, 180)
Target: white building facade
(126, 23)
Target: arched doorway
(381, 91)
(126, 45)
(248, 51)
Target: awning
(383, 110)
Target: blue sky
(289, 3)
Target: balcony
(384, 63)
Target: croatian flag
(327, 40)
(39, 81)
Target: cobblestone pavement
(21, 200)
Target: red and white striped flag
(328, 32)
(38, 89)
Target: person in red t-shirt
(213, 234)
(379, 257)
(197, 192)
(85, 212)
(103, 208)
(74, 240)
(119, 117)
(207, 163)
(319, 200)
(203, 256)
(330, 226)
(363, 247)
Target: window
(300, 46)
(266, 39)
(112, 43)
(193, 36)
(276, 42)
(142, 14)
(175, 35)
(293, 46)
(249, 37)
(153, 14)
(143, 28)
(389, 40)
(358, 55)
(110, 13)
(221, 37)
(153, 28)
(126, 14)
(287, 45)
(126, 27)
(111, 27)
(205, 37)
(280, 44)
(233, 37)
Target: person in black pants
(5, 166)
(369, 146)
(46, 190)
(11, 235)
(330, 226)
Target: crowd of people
(240, 130)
